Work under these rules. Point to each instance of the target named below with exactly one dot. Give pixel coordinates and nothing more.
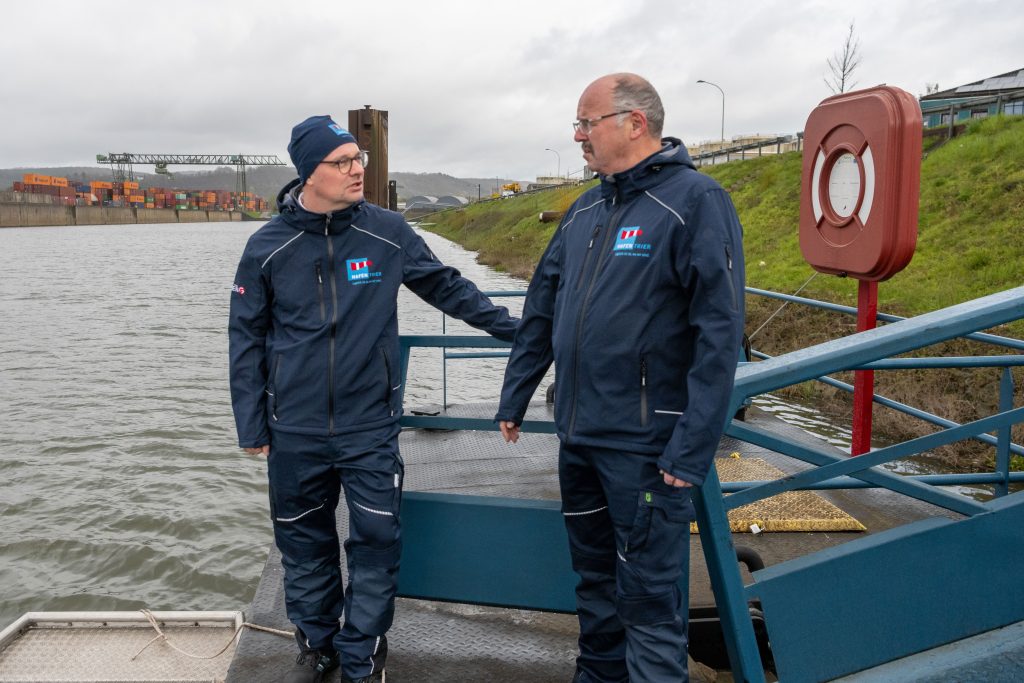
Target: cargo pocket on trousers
(660, 527)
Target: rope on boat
(163, 636)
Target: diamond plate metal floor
(51, 647)
(432, 640)
(462, 643)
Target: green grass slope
(969, 230)
(971, 214)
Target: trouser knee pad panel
(640, 610)
(377, 557)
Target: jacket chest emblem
(359, 271)
(629, 241)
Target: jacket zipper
(643, 391)
(732, 285)
(320, 287)
(583, 314)
(387, 375)
(586, 259)
(334, 326)
(273, 380)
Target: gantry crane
(121, 163)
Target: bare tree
(842, 64)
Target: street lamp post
(558, 159)
(723, 106)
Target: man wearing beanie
(315, 387)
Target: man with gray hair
(638, 300)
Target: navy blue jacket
(314, 327)
(638, 300)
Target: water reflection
(836, 433)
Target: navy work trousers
(306, 475)
(629, 538)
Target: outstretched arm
(446, 289)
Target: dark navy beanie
(312, 140)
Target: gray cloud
(473, 89)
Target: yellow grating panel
(789, 511)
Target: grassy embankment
(969, 244)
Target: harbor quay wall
(18, 214)
(154, 215)
(23, 215)
(101, 215)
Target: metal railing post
(444, 368)
(1003, 447)
(726, 582)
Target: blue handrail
(848, 353)
(870, 349)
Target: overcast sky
(474, 88)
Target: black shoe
(372, 678)
(312, 666)
(377, 660)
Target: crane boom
(121, 163)
(191, 159)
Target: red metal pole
(864, 380)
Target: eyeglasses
(345, 165)
(586, 125)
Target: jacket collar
(298, 217)
(625, 185)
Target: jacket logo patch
(626, 243)
(237, 288)
(358, 272)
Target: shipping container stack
(128, 193)
(57, 190)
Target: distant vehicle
(509, 189)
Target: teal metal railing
(982, 552)
(796, 656)
(445, 354)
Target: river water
(121, 485)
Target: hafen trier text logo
(626, 242)
(358, 272)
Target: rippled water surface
(121, 485)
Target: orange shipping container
(136, 198)
(100, 185)
(59, 182)
(131, 186)
(36, 179)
